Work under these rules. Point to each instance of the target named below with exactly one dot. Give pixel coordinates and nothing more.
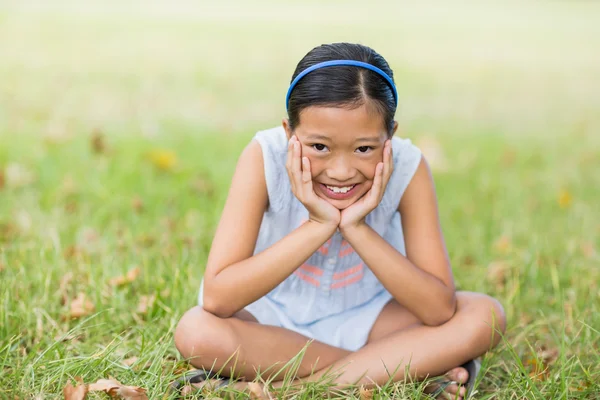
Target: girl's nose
(340, 170)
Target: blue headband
(334, 63)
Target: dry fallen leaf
(2, 179)
(131, 276)
(497, 273)
(588, 249)
(258, 392)
(508, 157)
(365, 394)
(97, 142)
(146, 302)
(130, 361)
(163, 159)
(564, 199)
(116, 389)
(78, 392)
(203, 186)
(62, 286)
(81, 306)
(137, 204)
(503, 244)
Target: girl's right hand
(298, 169)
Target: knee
(486, 317)
(202, 337)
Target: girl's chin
(341, 204)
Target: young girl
(330, 240)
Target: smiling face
(344, 147)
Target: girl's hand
(354, 215)
(298, 169)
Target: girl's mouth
(338, 192)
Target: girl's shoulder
(273, 143)
(407, 158)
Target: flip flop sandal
(473, 367)
(197, 376)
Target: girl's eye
(319, 147)
(364, 149)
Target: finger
(296, 167)
(306, 175)
(288, 159)
(377, 182)
(289, 164)
(388, 162)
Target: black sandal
(197, 376)
(473, 367)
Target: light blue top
(334, 279)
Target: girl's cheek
(315, 165)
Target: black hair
(343, 86)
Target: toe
(458, 374)
(456, 390)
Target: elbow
(444, 313)
(213, 303)
(216, 307)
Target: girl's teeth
(339, 189)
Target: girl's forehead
(336, 123)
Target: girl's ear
(286, 125)
(395, 128)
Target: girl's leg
(209, 341)
(396, 337)
(241, 343)
(426, 351)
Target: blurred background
(121, 123)
(520, 68)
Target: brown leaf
(508, 157)
(78, 392)
(588, 249)
(62, 286)
(503, 244)
(146, 302)
(116, 389)
(81, 307)
(2, 179)
(538, 365)
(258, 391)
(131, 276)
(137, 204)
(203, 186)
(497, 273)
(365, 394)
(130, 361)
(71, 252)
(97, 142)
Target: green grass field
(120, 126)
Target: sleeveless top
(334, 279)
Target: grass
(119, 131)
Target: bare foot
(456, 390)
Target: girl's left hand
(354, 215)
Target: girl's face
(344, 147)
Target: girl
(330, 241)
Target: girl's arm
(422, 281)
(234, 277)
